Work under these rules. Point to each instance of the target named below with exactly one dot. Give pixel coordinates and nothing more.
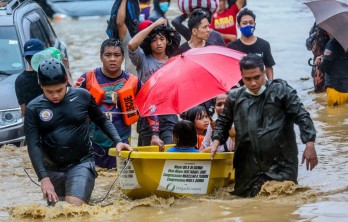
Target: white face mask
(263, 88)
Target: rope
(25, 170)
(113, 184)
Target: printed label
(185, 176)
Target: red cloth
(225, 22)
(200, 139)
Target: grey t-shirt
(128, 65)
(146, 64)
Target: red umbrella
(189, 79)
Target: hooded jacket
(157, 12)
(265, 137)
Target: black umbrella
(332, 16)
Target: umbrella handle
(309, 62)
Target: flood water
(321, 195)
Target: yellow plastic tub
(166, 174)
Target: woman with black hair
(149, 50)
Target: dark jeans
(166, 124)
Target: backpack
(132, 18)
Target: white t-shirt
(208, 142)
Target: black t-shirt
(260, 47)
(60, 132)
(27, 87)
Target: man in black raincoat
(264, 113)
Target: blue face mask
(247, 31)
(164, 6)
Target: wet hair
(243, 12)
(251, 61)
(194, 113)
(206, 11)
(172, 36)
(110, 43)
(185, 134)
(196, 18)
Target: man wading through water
(264, 113)
(57, 133)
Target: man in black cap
(26, 85)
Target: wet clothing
(146, 64)
(109, 85)
(27, 87)
(261, 47)
(225, 22)
(101, 143)
(335, 66)
(335, 98)
(186, 150)
(78, 181)
(58, 134)
(265, 138)
(215, 38)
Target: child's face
(220, 103)
(202, 122)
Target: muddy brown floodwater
(321, 195)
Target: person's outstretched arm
(121, 20)
(140, 36)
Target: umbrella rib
(194, 61)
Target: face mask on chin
(247, 31)
(164, 6)
(262, 89)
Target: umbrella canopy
(189, 79)
(332, 16)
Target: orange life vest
(126, 96)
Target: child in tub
(185, 137)
(199, 117)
